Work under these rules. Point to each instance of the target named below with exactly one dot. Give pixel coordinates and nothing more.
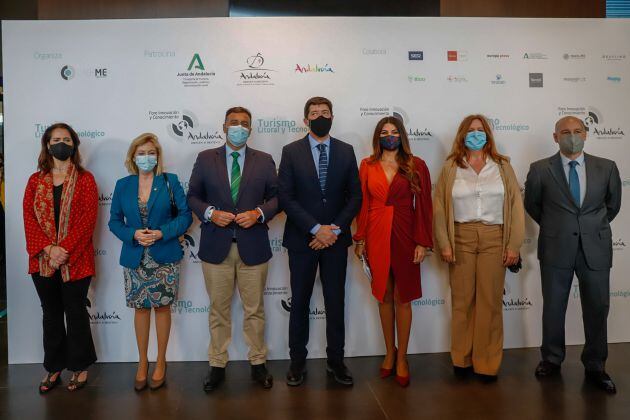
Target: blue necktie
(323, 166)
(574, 182)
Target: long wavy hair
(45, 160)
(404, 157)
(459, 150)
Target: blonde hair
(142, 139)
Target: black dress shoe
(463, 372)
(486, 379)
(601, 380)
(340, 372)
(296, 374)
(546, 369)
(214, 379)
(261, 375)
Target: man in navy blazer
(233, 191)
(320, 191)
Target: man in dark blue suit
(320, 191)
(233, 192)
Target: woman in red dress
(394, 232)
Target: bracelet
(361, 242)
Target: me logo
(196, 63)
(67, 72)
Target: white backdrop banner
(114, 79)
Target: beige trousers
(221, 280)
(477, 279)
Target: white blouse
(479, 198)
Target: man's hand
(222, 218)
(316, 244)
(247, 219)
(326, 236)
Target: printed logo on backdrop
(82, 133)
(511, 302)
(190, 247)
(568, 56)
(256, 73)
(172, 115)
(451, 78)
(613, 79)
(187, 307)
(314, 68)
(280, 126)
(429, 302)
(196, 74)
(316, 312)
(497, 56)
(416, 78)
(614, 57)
(498, 80)
(416, 55)
(413, 133)
(535, 56)
(67, 72)
(624, 294)
(189, 130)
(500, 125)
(535, 80)
(594, 121)
(101, 317)
(41, 55)
(105, 198)
(374, 51)
(276, 245)
(574, 79)
(456, 55)
(618, 245)
(625, 183)
(157, 54)
(375, 111)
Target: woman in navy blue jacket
(149, 213)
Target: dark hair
(238, 110)
(459, 150)
(45, 160)
(317, 100)
(404, 157)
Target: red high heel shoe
(386, 373)
(403, 381)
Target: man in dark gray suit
(574, 196)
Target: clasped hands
(147, 237)
(245, 219)
(324, 237)
(58, 255)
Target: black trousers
(595, 299)
(332, 272)
(67, 345)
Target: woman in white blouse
(478, 225)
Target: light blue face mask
(146, 163)
(237, 135)
(475, 140)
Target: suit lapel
(221, 170)
(158, 184)
(557, 172)
(309, 162)
(248, 170)
(592, 170)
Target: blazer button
(324, 200)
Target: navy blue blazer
(209, 186)
(124, 219)
(303, 201)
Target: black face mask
(61, 151)
(320, 126)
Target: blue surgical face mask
(475, 140)
(237, 135)
(390, 142)
(146, 163)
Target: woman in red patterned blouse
(60, 206)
